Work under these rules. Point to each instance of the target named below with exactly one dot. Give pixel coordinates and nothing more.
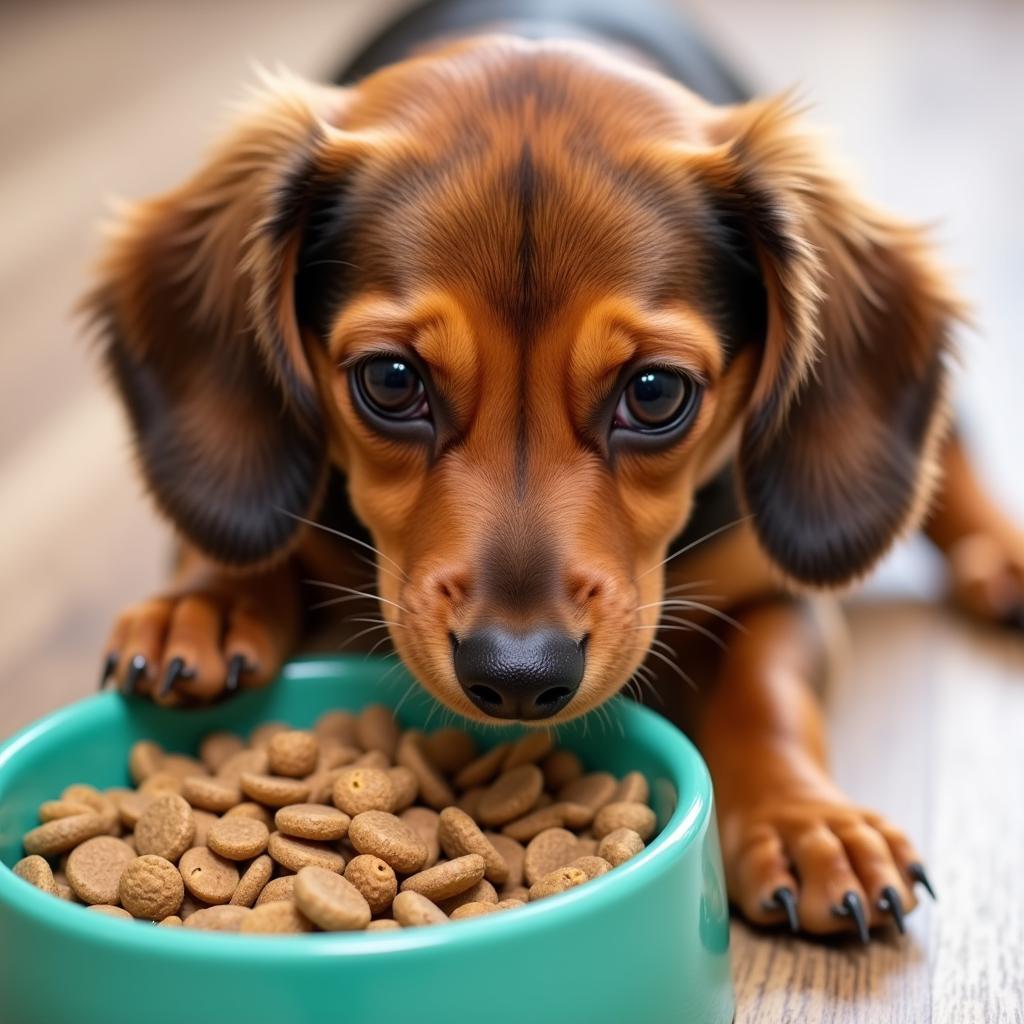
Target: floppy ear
(836, 457)
(196, 308)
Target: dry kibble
(557, 881)
(261, 736)
(166, 827)
(593, 867)
(215, 795)
(251, 809)
(282, 888)
(482, 892)
(51, 810)
(470, 800)
(312, 821)
(363, 789)
(619, 846)
(528, 750)
(552, 849)
(336, 725)
(425, 821)
(63, 834)
(209, 877)
(144, 759)
(151, 888)
(525, 828)
(110, 910)
(251, 760)
(130, 807)
(449, 749)
(594, 790)
(162, 782)
(376, 729)
(295, 854)
(633, 788)
(171, 921)
(483, 769)
(473, 909)
(374, 879)
(334, 754)
(389, 838)
(94, 868)
(252, 883)
(510, 904)
(433, 788)
(447, 879)
(182, 765)
(383, 924)
(405, 787)
(560, 768)
(224, 918)
(515, 892)
(36, 871)
(204, 821)
(217, 747)
(460, 835)
(373, 759)
(282, 917)
(292, 753)
(238, 838)
(411, 909)
(636, 816)
(274, 790)
(511, 796)
(331, 901)
(512, 853)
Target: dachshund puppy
(566, 345)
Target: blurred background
(107, 98)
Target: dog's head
(527, 298)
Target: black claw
(784, 899)
(109, 667)
(236, 666)
(916, 872)
(176, 670)
(853, 908)
(136, 670)
(890, 902)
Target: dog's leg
(984, 549)
(795, 847)
(210, 631)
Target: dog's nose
(519, 675)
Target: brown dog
(528, 308)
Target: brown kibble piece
(110, 910)
(252, 883)
(406, 787)
(384, 924)
(473, 910)
(274, 790)
(525, 828)
(424, 822)
(483, 769)
(261, 736)
(224, 918)
(94, 868)
(130, 807)
(251, 809)
(433, 788)
(182, 766)
(203, 820)
(207, 876)
(162, 782)
(512, 853)
(560, 768)
(375, 879)
(595, 790)
(330, 900)
(282, 888)
(35, 870)
(151, 888)
(529, 749)
(373, 759)
(295, 854)
(447, 879)
(171, 921)
(238, 838)
(282, 917)
(510, 904)
(144, 759)
(336, 725)
(511, 796)
(52, 810)
(363, 789)
(470, 800)
(250, 760)
(619, 846)
(389, 838)
(312, 821)
(459, 834)
(207, 794)
(292, 753)
(516, 892)
(557, 881)
(217, 747)
(633, 788)
(411, 909)
(548, 851)
(376, 729)
(593, 867)
(449, 749)
(482, 892)
(63, 834)
(638, 817)
(166, 828)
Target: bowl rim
(685, 824)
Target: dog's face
(527, 298)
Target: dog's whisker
(355, 636)
(359, 593)
(332, 601)
(383, 640)
(697, 605)
(695, 543)
(687, 586)
(346, 536)
(379, 622)
(671, 664)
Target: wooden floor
(105, 98)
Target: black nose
(519, 675)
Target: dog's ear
(195, 306)
(836, 456)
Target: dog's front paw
(193, 646)
(820, 866)
(987, 572)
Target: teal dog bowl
(645, 944)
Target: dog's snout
(525, 676)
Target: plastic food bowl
(646, 943)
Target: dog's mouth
(526, 675)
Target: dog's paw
(193, 646)
(987, 576)
(821, 867)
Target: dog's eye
(657, 400)
(392, 388)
